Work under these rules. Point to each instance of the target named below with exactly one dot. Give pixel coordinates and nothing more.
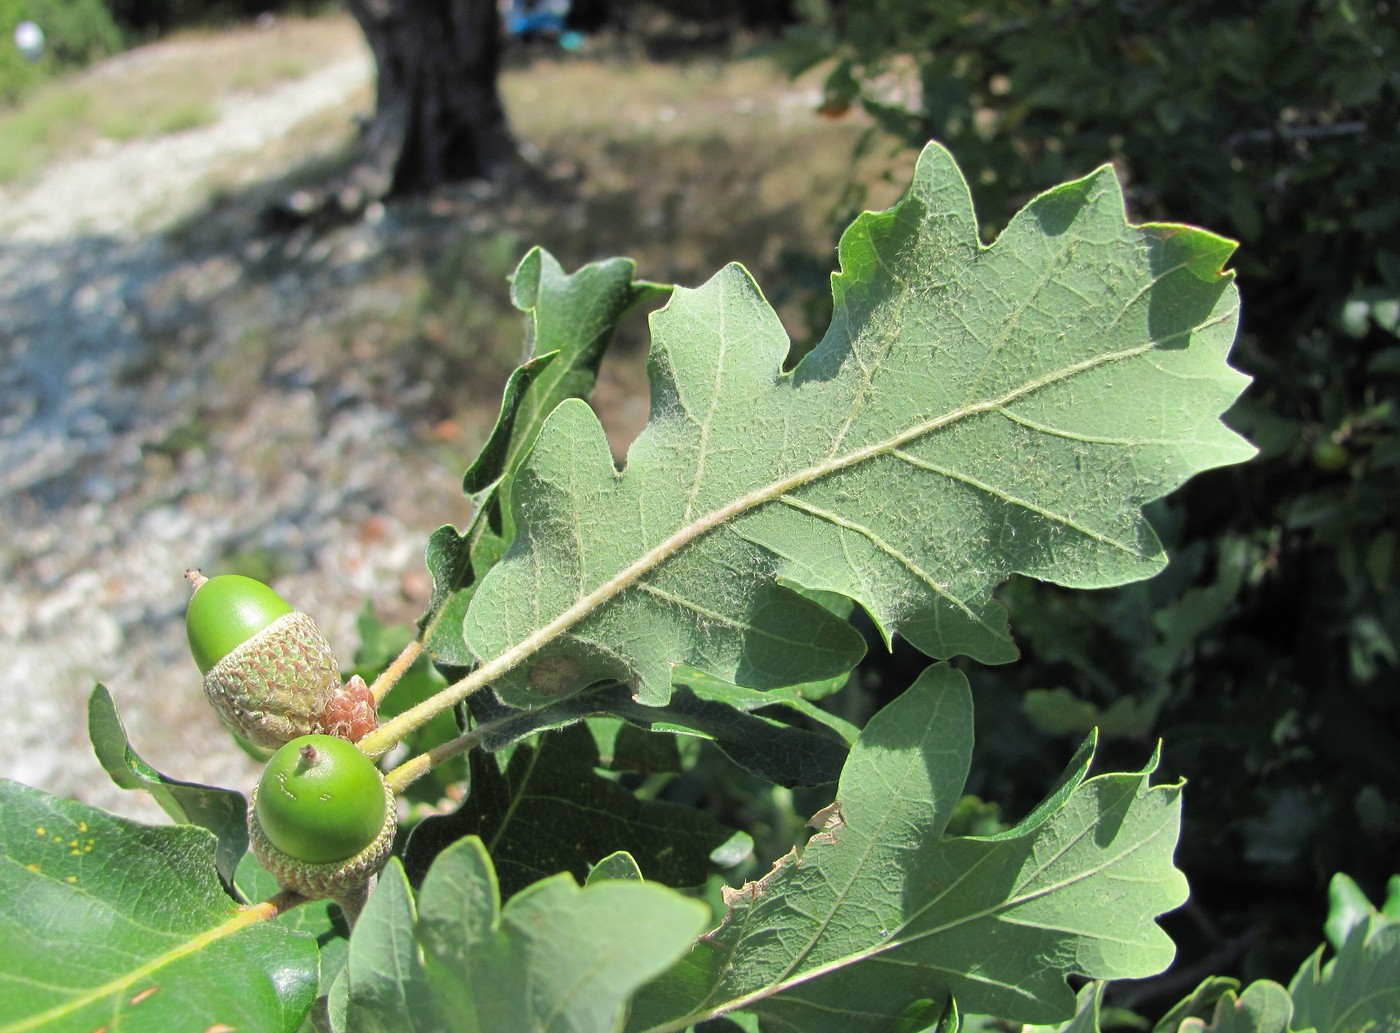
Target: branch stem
(274, 906)
(415, 768)
(389, 677)
(392, 732)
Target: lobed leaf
(550, 811)
(1357, 991)
(971, 412)
(701, 707)
(1264, 1007)
(1347, 908)
(1088, 1005)
(881, 910)
(557, 957)
(570, 320)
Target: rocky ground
(157, 413)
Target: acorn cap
(275, 685)
(329, 879)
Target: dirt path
(140, 435)
(146, 184)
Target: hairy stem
(415, 768)
(389, 677)
(390, 733)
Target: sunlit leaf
(881, 910)
(109, 924)
(972, 412)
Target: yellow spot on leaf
(33, 868)
(71, 879)
(82, 826)
(41, 831)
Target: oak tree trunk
(438, 116)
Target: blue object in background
(527, 18)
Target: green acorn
(268, 671)
(322, 819)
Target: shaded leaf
(1264, 1007)
(106, 923)
(776, 751)
(1357, 990)
(881, 909)
(550, 811)
(1197, 1003)
(221, 811)
(557, 957)
(772, 750)
(972, 412)
(799, 698)
(387, 985)
(457, 560)
(320, 919)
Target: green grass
(162, 119)
(65, 116)
(47, 123)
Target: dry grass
(167, 87)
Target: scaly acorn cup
(322, 818)
(268, 671)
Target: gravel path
(159, 411)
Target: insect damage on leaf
(556, 675)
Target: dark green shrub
(1267, 656)
(152, 17)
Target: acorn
(268, 671)
(322, 819)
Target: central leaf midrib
(792, 978)
(686, 535)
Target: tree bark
(438, 116)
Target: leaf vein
(1015, 500)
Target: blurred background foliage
(1267, 657)
(76, 32)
